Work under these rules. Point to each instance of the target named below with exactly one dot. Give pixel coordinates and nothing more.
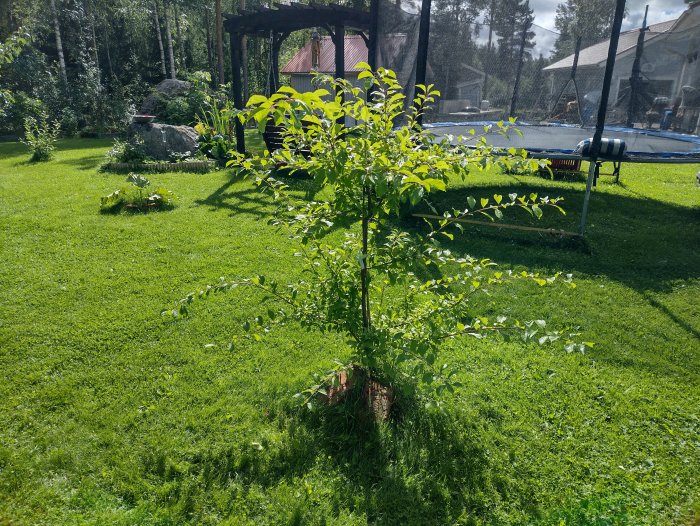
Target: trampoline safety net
(494, 59)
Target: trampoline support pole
(423, 42)
(602, 108)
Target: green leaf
(471, 202)
(437, 183)
(255, 100)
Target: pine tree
(512, 18)
(589, 19)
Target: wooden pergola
(278, 23)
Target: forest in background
(89, 63)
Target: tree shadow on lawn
(85, 163)
(247, 200)
(421, 469)
(425, 468)
(252, 200)
(642, 243)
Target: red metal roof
(355, 51)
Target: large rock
(164, 142)
(167, 89)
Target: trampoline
(551, 141)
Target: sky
(545, 11)
(659, 11)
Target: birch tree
(169, 39)
(59, 45)
(160, 39)
(219, 43)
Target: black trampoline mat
(562, 139)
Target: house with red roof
(301, 70)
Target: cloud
(659, 11)
(545, 12)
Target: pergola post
(277, 40)
(279, 22)
(373, 25)
(236, 88)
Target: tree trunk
(59, 45)
(210, 62)
(5, 21)
(364, 273)
(109, 56)
(488, 52)
(94, 43)
(180, 44)
(160, 39)
(169, 39)
(219, 43)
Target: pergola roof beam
(264, 19)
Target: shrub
(40, 136)
(137, 197)
(368, 287)
(18, 106)
(130, 151)
(69, 123)
(183, 109)
(215, 127)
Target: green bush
(16, 108)
(183, 109)
(215, 127)
(40, 136)
(70, 123)
(137, 197)
(129, 151)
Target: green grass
(113, 414)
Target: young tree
(371, 287)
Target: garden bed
(161, 167)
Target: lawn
(113, 414)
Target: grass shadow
(643, 243)
(251, 200)
(248, 200)
(426, 468)
(421, 469)
(685, 326)
(85, 163)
